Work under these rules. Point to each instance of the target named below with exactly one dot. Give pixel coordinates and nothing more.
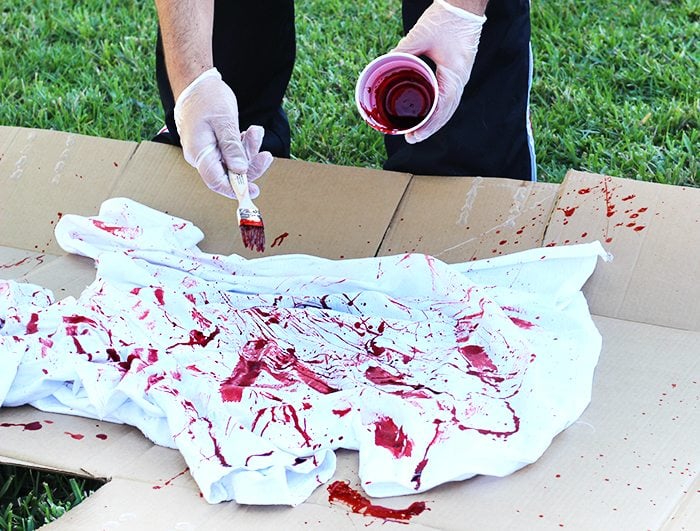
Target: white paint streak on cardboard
(22, 160)
(62, 159)
(519, 199)
(516, 211)
(469, 201)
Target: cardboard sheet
(630, 462)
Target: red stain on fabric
(521, 323)
(420, 467)
(32, 325)
(159, 296)
(392, 437)
(265, 454)
(380, 376)
(477, 357)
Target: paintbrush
(249, 220)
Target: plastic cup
(396, 93)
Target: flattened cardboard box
(630, 462)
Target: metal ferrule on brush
(249, 219)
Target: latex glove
(450, 37)
(206, 115)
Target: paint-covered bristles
(253, 235)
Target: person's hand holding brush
(206, 110)
(206, 114)
(449, 36)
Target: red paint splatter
(22, 261)
(478, 358)
(78, 319)
(101, 436)
(170, 481)
(388, 435)
(265, 355)
(629, 197)
(120, 232)
(342, 492)
(153, 379)
(76, 436)
(568, 212)
(197, 337)
(521, 323)
(266, 454)
(379, 376)
(231, 392)
(342, 412)
(418, 472)
(112, 355)
(504, 434)
(639, 228)
(159, 296)
(608, 193)
(279, 239)
(291, 414)
(584, 191)
(32, 325)
(30, 426)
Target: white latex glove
(450, 37)
(206, 115)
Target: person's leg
(489, 135)
(254, 49)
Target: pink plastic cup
(396, 93)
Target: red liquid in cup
(404, 99)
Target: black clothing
(487, 136)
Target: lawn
(615, 85)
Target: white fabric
(257, 370)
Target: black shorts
(488, 136)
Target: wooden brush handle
(239, 183)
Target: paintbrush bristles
(253, 238)
(249, 219)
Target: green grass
(30, 499)
(615, 88)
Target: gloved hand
(206, 115)
(450, 37)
